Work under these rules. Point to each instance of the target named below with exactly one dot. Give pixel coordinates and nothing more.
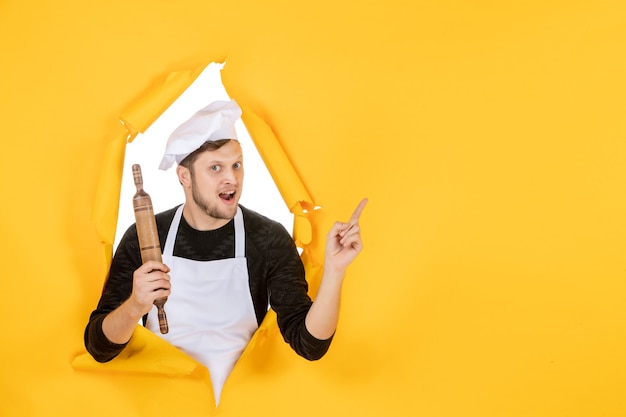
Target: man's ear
(184, 175)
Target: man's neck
(201, 221)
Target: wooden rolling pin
(148, 236)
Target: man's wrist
(334, 274)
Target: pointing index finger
(354, 219)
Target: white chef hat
(215, 121)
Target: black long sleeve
(276, 277)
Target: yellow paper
(488, 137)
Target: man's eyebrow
(221, 161)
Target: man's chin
(228, 212)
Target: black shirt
(276, 277)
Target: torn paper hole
(260, 192)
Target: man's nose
(230, 175)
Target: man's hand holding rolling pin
(150, 281)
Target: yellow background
(489, 137)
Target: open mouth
(227, 195)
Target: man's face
(217, 179)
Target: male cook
(223, 264)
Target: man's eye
(215, 167)
(237, 165)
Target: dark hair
(209, 145)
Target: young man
(222, 263)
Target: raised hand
(343, 242)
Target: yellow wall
(488, 136)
